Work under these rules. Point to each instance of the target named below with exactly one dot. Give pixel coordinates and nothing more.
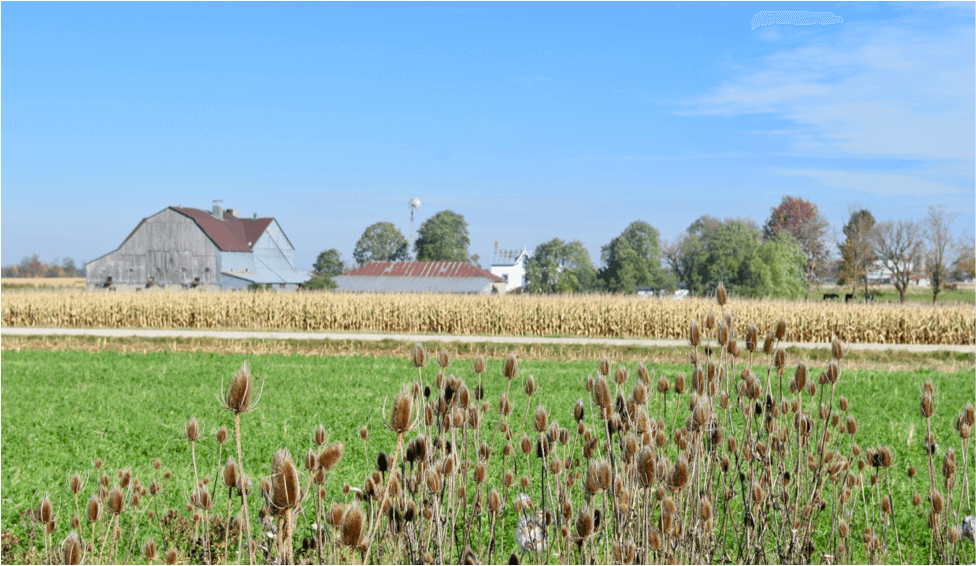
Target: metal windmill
(414, 205)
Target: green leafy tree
(713, 251)
(857, 250)
(803, 221)
(381, 242)
(443, 237)
(633, 258)
(320, 283)
(775, 269)
(328, 263)
(560, 267)
(726, 252)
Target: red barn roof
(457, 269)
(230, 234)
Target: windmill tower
(414, 205)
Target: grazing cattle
(848, 297)
(830, 296)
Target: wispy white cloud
(879, 183)
(870, 90)
(795, 17)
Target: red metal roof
(423, 269)
(253, 227)
(230, 234)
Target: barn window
(281, 286)
(207, 270)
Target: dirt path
(618, 342)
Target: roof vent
(218, 209)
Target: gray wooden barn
(190, 247)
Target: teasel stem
(245, 516)
(377, 519)
(227, 527)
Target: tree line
(32, 266)
(785, 257)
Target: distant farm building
(189, 247)
(510, 266)
(420, 277)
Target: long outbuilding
(189, 247)
(420, 277)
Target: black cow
(848, 297)
(830, 296)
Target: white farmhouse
(510, 266)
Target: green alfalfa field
(62, 410)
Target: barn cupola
(218, 209)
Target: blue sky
(533, 120)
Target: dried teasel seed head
(75, 484)
(319, 436)
(116, 501)
(779, 358)
(836, 348)
(238, 396)
(353, 521)
(721, 295)
(149, 551)
(525, 445)
(530, 386)
(541, 419)
(311, 460)
(752, 338)
(93, 509)
(72, 550)
(286, 487)
(45, 511)
(419, 355)
(926, 405)
(401, 417)
(781, 329)
(768, 343)
(970, 413)
(231, 473)
(694, 335)
(604, 365)
(663, 385)
(443, 359)
(479, 364)
(192, 429)
(678, 477)
(646, 469)
(221, 435)
(511, 368)
(949, 464)
(621, 375)
(724, 335)
(330, 456)
(935, 498)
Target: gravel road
(237, 335)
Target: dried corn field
(584, 316)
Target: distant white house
(510, 266)
(881, 273)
